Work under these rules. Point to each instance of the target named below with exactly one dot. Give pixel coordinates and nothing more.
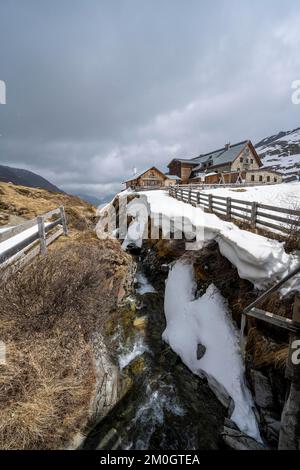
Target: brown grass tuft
(264, 352)
(48, 314)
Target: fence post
(210, 202)
(289, 437)
(63, 220)
(182, 194)
(228, 207)
(198, 198)
(42, 234)
(190, 196)
(253, 214)
(242, 335)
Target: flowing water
(167, 407)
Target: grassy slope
(18, 203)
(48, 314)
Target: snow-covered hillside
(281, 152)
(285, 195)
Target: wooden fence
(289, 436)
(254, 213)
(43, 232)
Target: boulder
(237, 440)
(263, 394)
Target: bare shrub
(264, 352)
(48, 314)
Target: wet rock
(271, 426)
(218, 390)
(200, 351)
(133, 249)
(230, 424)
(140, 323)
(237, 440)
(263, 394)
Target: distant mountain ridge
(281, 152)
(22, 177)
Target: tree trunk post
(289, 437)
(210, 202)
(228, 208)
(63, 220)
(253, 214)
(42, 234)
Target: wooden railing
(43, 225)
(290, 415)
(254, 213)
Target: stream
(167, 407)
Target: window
(238, 169)
(260, 178)
(241, 159)
(251, 161)
(275, 180)
(247, 161)
(268, 179)
(252, 178)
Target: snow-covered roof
(220, 156)
(141, 173)
(172, 177)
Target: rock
(290, 434)
(262, 390)
(133, 249)
(230, 424)
(218, 390)
(237, 440)
(140, 322)
(272, 426)
(200, 351)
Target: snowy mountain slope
(281, 152)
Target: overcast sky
(98, 87)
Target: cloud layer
(96, 88)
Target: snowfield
(258, 259)
(206, 321)
(285, 195)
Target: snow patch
(258, 259)
(206, 321)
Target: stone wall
(263, 176)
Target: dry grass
(47, 316)
(265, 353)
(21, 203)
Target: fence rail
(254, 213)
(44, 226)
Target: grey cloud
(96, 88)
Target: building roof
(216, 157)
(141, 173)
(223, 155)
(172, 177)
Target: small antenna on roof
(134, 171)
(227, 146)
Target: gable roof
(141, 173)
(172, 177)
(219, 156)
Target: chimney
(134, 171)
(227, 146)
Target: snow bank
(258, 259)
(283, 195)
(206, 321)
